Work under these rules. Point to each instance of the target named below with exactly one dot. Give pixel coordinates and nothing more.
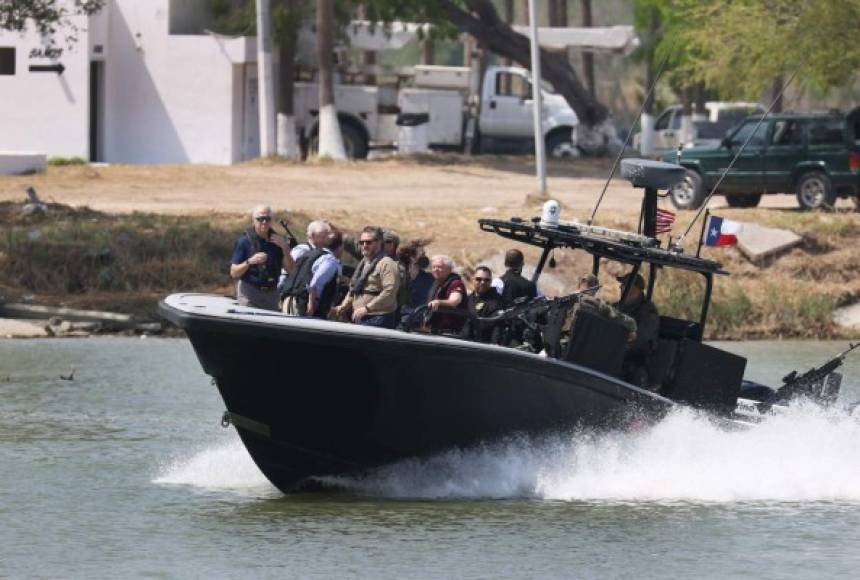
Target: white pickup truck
(502, 111)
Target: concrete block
(12, 328)
(18, 162)
(848, 316)
(758, 243)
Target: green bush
(59, 161)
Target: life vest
(268, 278)
(298, 282)
(362, 273)
(516, 287)
(404, 289)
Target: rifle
(820, 383)
(292, 239)
(523, 309)
(528, 311)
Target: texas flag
(722, 232)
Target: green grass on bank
(83, 258)
(59, 161)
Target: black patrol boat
(314, 398)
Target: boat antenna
(630, 132)
(738, 154)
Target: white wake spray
(226, 467)
(808, 454)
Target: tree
(238, 17)
(47, 15)
(647, 17)
(287, 18)
(479, 19)
(739, 48)
(587, 56)
(329, 137)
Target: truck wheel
(743, 200)
(688, 193)
(558, 145)
(814, 191)
(353, 142)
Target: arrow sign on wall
(57, 68)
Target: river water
(126, 472)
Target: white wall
(45, 111)
(167, 98)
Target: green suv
(816, 156)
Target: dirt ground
(428, 182)
(439, 196)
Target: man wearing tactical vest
(483, 302)
(311, 286)
(318, 233)
(258, 257)
(372, 296)
(390, 244)
(512, 285)
(637, 306)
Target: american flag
(665, 219)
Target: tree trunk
(287, 138)
(329, 137)
(588, 56)
(428, 51)
(776, 87)
(509, 20)
(646, 124)
(482, 22)
(699, 98)
(558, 13)
(368, 57)
(685, 133)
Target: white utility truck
(442, 107)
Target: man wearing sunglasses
(372, 296)
(258, 257)
(483, 302)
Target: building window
(7, 60)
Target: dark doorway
(7, 60)
(97, 89)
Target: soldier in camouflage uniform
(588, 286)
(644, 343)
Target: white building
(141, 85)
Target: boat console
(680, 366)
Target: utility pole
(265, 86)
(540, 152)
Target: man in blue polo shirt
(257, 260)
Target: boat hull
(315, 398)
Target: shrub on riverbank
(86, 258)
